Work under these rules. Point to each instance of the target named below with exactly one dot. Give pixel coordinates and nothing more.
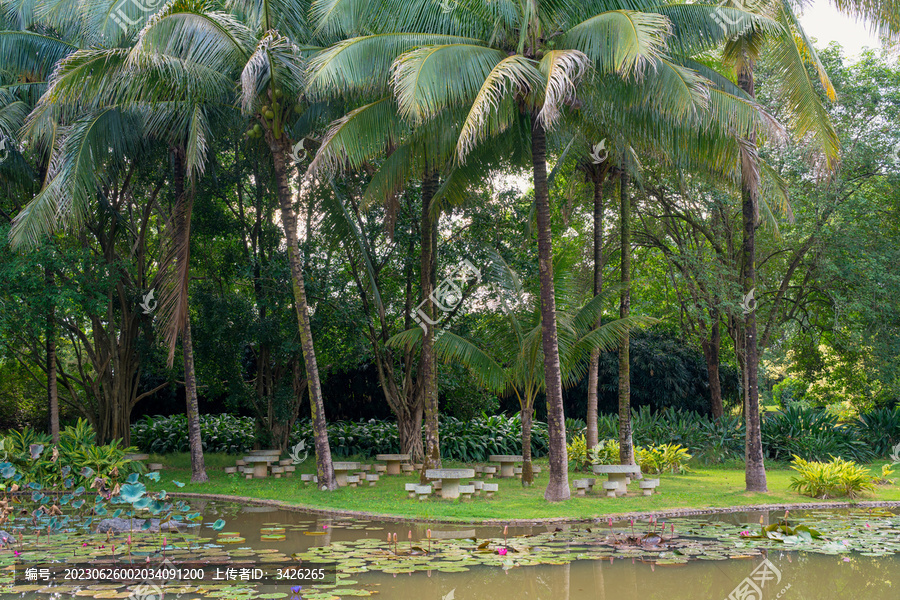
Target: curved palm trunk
(324, 468)
(558, 486)
(183, 210)
(198, 464)
(594, 368)
(626, 446)
(427, 365)
(755, 473)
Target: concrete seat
(423, 491)
(411, 489)
(248, 472)
(489, 472)
(406, 468)
(490, 489)
(581, 486)
(372, 478)
(230, 470)
(380, 469)
(478, 485)
(648, 485)
(277, 471)
(611, 488)
(466, 491)
(240, 463)
(306, 477)
(353, 480)
(289, 470)
(285, 462)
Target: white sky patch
(826, 24)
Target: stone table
(450, 479)
(507, 463)
(618, 474)
(260, 463)
(342, 469)
(137, 457)
(393, 462)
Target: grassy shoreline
(703, 488)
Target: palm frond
(562, 71)
(621, 41)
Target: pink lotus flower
(16, 553)
(501, 551)
(846, 559)
(745, 533)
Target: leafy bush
(577, 451)
(470, 441)
(812, 434)
(789, 391)
(75, 460)
(220, 433)
(880, 429)
(663, 458)
(826, 480)
(605, 453)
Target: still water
(757, 575)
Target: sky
(823, 22)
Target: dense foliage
(471, 440)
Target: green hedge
(470, 441)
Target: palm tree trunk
(198, 464)
(52, 388)
(594, 367)
(183, 210)
(527, 469)
(755, 471)
(281, 149)
(626, 447)
(558, 485)
(427, 366)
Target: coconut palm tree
(510, 359)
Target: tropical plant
(605, 453)
(812, 434)
(827, 480)
(577, 451)
(663, 458)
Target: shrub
(74, 461)
(880, 429)
(836, 478)
(577, 452)
(663, 458)
(605, 453)
(470, 441)
(220, 433)
(812, 434)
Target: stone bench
(289, 470)
(479, 470)
(611, 488)
(478, 485)
(286, 462)
(155, 466)
(406, 468)
(489, 472)
(585, 485)
(240, 463)
(248, 472)
(536, 470)
(277, 471)
(353, 480)
(230, 470)
(423, 491)
(490, 489)
(418, 466)
(306, 478)
(380, 469)
(466, 491)
(372, 478)
(647, 486)
(518, 472)
(411, 490)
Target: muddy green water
(791, 575)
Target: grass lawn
(703, 487)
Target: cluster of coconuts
(274, 115)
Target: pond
(818, 555)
